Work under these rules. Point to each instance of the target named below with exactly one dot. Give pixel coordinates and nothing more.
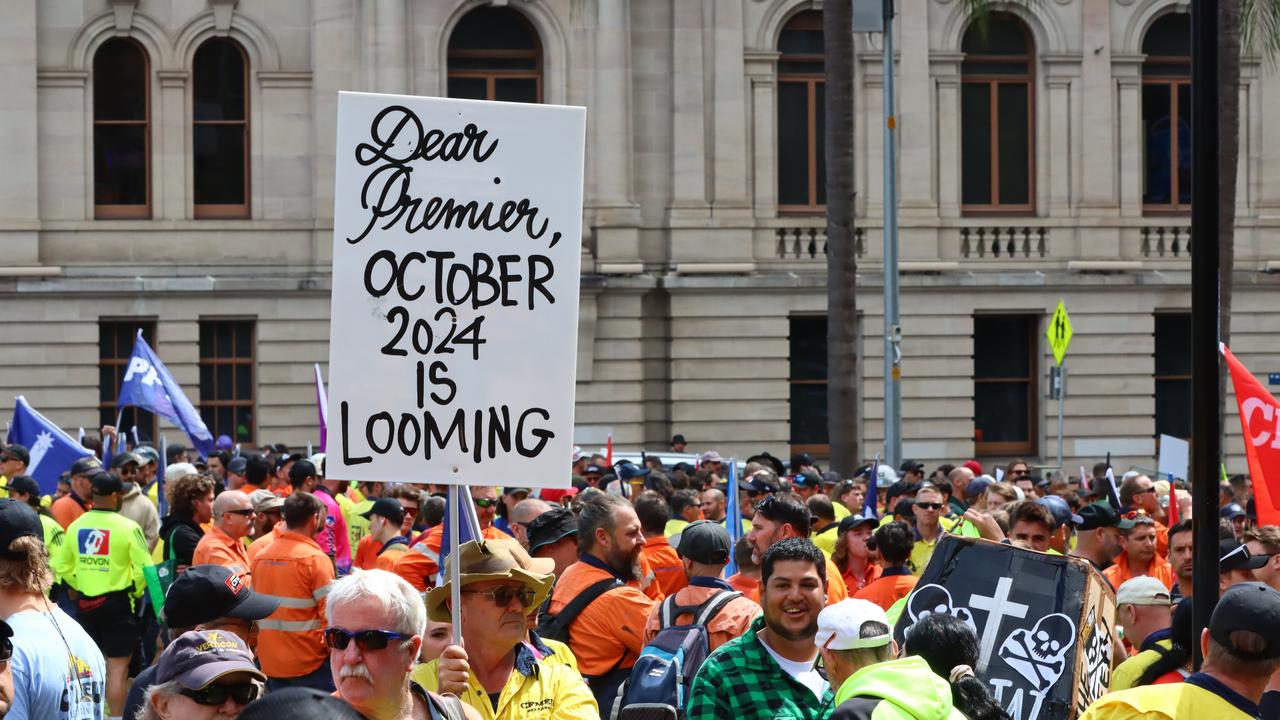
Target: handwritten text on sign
(457, 228)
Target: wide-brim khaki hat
(486, 560)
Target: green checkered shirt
(742, 681)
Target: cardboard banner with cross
(1043, 622)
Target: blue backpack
(658, 688)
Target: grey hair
(408, 614)
(148, 711)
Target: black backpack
(556, 627)
(659, 683)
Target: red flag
(608, 451)
(1260, 423)
(1172, 516)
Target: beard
(807, 633)
(627, 565)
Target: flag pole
(455, 582)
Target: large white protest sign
(1175, 454)
(456, 258)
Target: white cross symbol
(997, 607)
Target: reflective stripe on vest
(291, 603)
(289, 625)
(322, 592)
(427, 552)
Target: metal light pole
(1206, 442)
(892, 329)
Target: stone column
(946, 72)
(617, 217)
(1097, 111)
(761, 68)
(19, 143)
(915, 139)
(1057, 143)
(171, 188)
(688, 131)
(1127, 72)
(391, 46)
(729, 114)
(871, 117)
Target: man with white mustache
(376, 621)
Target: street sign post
(1059, 335)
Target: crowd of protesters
(249, 584)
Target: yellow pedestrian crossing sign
(1059, 332)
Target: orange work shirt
(733, 620)
(366, 553)
(666, 564)
(295, 570)
(610, 631)
(66, 509)
(419, 566)
(888, 589)
(219, 548)
(748, 586)
(1158, 568)
(836, 589)
(854, 583)
(387, 559)
(259, 544)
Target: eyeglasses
(367, 640)
(929, 506)
(502, 596)
(484, 502)
(213, 695)
(820, 667)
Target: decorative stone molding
(173, 78)
(122, 10)
(62, 78)
(222, 10)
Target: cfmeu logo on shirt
(94, 541)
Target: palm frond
(1260, 28)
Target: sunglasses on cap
(766, 504)
(484, 502)
(213, 695)
(367, 640)
(503, 595)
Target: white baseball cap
(840, 625)
(1142, 590)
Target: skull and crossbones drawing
(934, 599)
(1039, 654)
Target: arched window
(495, 54)
(221, 135)
(802, 167)
(1166, 114)
(121, 130)
(997, 112)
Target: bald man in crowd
(224, 543)
(522, 514)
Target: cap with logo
(551, 527)
(1234, 556)
(857, 520)
(197, 658)
(1142, 590)
(1231, 511)
(17, 519)
(758, 485)
(840, 625)
(206, 592)
(85, 466)
(389, 508)
(807, 479)
(706, 542)
(1253, 607)
(1101, 515)
(106, 483)
(146, 455)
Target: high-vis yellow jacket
(103, 551)
(536, 690)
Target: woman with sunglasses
(201, 676)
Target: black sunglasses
(929, 506)
(246, 512)
(213, 695)
(502, 596)
(338, 638)
(6, 650)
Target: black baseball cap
(301, 470)
(24, 484)
(678, 439)
(389, 508)
(854, 521)
(1253, 607)
(758, 485)
(1234, 556)
(237, 465)
(706, 542)
(550, 527)
(1231, 511)
(299, 703)
(106, 483)
(205, 593)
(15, 451)
(197, 658)
(286, 459)
(801, 459)
(911, 466)
(1060, 510)
(807, 479)
(85, 466)
(17, 519)
(1101, 515)
(593, 470)
(119, 460)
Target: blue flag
(872, 501)
(468, 527)
(732, 515)
(147, 384)
(52, 450)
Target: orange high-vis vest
(420, 564)
(259, 544)
(219, 548)
(294, 570)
